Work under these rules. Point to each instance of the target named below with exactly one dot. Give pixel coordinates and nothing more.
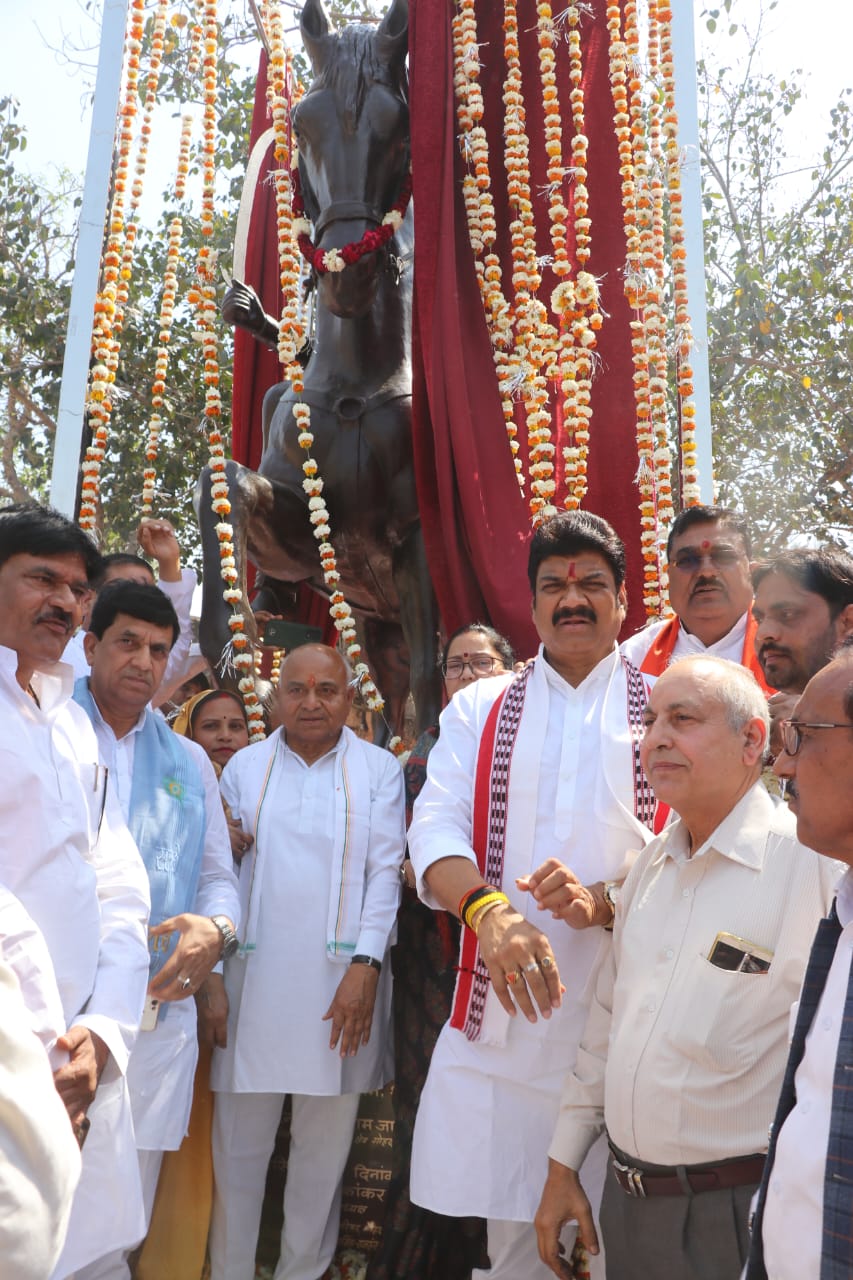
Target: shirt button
(805, 1107)
(685, 893)
(651, 1006)
(827, 1023)
(668, 953)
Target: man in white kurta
(310, 990)
(132, 630)
(686, 1039)
(490, 1102)
(71, 862)
(710, 590)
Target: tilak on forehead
(573, 569)
(706, 545)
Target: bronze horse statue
(352, 130)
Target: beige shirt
(683, 1060)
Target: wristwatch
(610, 893)
(230, 941)
(374, 964)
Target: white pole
(686, 104)
(78, 339)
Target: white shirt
(277, 1041)
(792, 1227)
(180, 593)
(687, 644)
(39, 1158)
(162, 1065)
(488, 1109)
(681, 1058)
(75, 868)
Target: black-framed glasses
(792, 736)
(720, 557)
(481, 664)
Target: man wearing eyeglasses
(686, 1038)
(710, 590)
(803, 1223)
(310, 988)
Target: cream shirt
(681, 1059)
(792, 1227)
(687, 644)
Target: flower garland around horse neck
(324, 260)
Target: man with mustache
(170, 799)
(803, 1224)
(68, 857)
(803, 609)
(710, 591)
(687, 1033)
(533, 792)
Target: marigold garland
(289, 343)
(158, 386)
(104, 344)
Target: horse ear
(317, 32)
(392, 34)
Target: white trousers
(244, 1129)
(514, 1255)
(113, 1266)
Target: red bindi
(572, 570)
(706, 545)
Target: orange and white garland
(105, 345)
(203, 296)
(158, 386)
(289, 344)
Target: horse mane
(354, 63)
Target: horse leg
(420, 621)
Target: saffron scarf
(660, 652)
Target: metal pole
(78, 339)
(686, 104)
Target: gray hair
(737, 690)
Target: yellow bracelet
(483, 907)
(495, 895)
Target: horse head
(352, 130)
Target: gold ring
(546, 962)
(512, 977)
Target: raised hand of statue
(241, 306)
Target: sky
(55, 109)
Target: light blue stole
(167, 819)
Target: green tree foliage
(779, 259)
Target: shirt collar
(333, 751)
(53, 684)
(844, 899)
(741, 836)
(735, 637)
(102, 722)
(600, 673)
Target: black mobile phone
(279, 634)
(739, 956)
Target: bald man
(310, 988)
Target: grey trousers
(690, 1237)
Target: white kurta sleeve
(114, 1009)
(581, 1116)
(218, 893)
(40, 1162)
(181, 596)
(384, 858)
(441, 825)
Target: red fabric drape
(475, 522)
